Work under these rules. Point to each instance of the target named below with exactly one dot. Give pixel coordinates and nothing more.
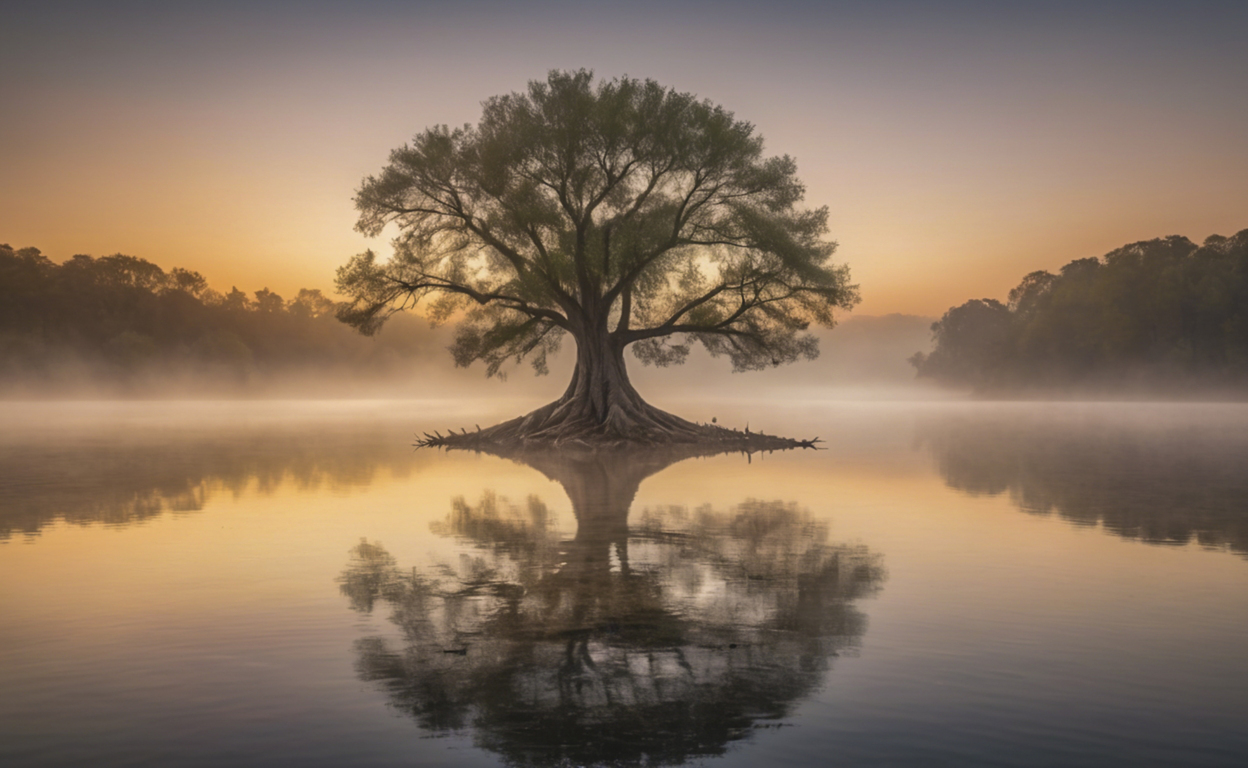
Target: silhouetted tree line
(1157, 313)
(122, 319)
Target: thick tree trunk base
(567, 425)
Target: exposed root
(561, 425)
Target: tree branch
(512, 302)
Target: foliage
(118, 319)
(619, 212)
(1156, 313)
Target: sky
(957, 146)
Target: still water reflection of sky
(257, 583)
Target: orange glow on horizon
(955, 152)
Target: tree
(620, 213)
(971, 342)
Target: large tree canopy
(618, 212)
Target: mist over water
(946, 582)
(863, 357)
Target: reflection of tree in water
(653, 645)
(121, 480)
(1163, 481)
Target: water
(956, 584)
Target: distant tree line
(125, 321)
(1151, 315)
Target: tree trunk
(601, 408)
(601, 402)
(600, 388)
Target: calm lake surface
(262, 583)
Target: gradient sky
(958, 146)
